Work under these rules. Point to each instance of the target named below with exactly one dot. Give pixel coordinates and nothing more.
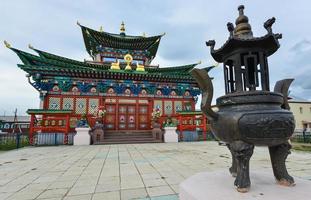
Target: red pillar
(67, 128)
(32, 120)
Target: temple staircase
(127, 137)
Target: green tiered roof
(48, 64)
(93, 39)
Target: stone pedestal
(170, 134)
(82, 137)
(156, 131)
(219, 185)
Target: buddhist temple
(120, 78)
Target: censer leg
(278, 155)
(242, 152)
(233, 169)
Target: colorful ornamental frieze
(118, 87)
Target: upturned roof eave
(268, 43)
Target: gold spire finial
(122, 28)
(30, 46)
(101, 29)
(7, 44)
(243, 29)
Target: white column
(82, 137)
(170, 134)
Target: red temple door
(143, 117)
(127, 117)
(110, 118)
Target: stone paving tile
(107, 196)
(120, 171)
(79, 197)
(53, 193)
(134, 194)
(159, 191)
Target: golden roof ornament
(8, 45)
(128, 59)
(30, 46)
(115, 66)
(243, 29)
(101, 29)
(122, 28)
(140, 68)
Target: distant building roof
(11, 118)
(294, 98)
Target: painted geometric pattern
(178, 106)
(131, 109)
(168, 107)
(122, 118)
(109, 118)
(67, 103)
(131, 119)
(73, 122)
(110, 126)
(80, 106)
(110, 109)
(143, 109)
(143, 118)
(143, 126)
(122, 126)
(131, 126)
(93, 106)
(187, 106)
(158, 105)
(54, 103)
(122, 109)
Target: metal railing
(10, 141)
(301, 138)
(52, 139)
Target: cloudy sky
(51, 26)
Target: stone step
(128, 142)
(126, 137)
(130, 135)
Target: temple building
(120, 79)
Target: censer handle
(206, 85)
(282, 87)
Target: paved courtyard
(133, 171)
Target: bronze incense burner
(249, 114)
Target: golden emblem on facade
(128, 60)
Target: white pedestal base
(82, 137)
(220, 186)
(170, 134)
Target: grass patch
(301, 147)
(9, 143)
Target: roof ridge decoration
(7, 45)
